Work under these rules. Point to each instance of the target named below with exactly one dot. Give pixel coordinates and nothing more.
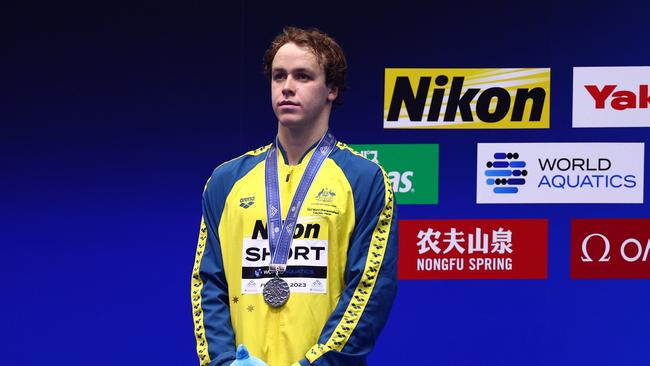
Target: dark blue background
(114, 116)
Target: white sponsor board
(306, 266)
(611, 96)
(560, 173)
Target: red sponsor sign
(610, 248)
(473, 249)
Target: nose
(288, 88)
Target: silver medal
(276, 292)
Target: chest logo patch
(246, 202)
(325, 195)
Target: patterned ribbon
(281, 234)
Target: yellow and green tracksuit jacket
(342, 269)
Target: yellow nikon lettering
(467, 98)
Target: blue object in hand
(244, 359)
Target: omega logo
(636, 249)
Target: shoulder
(355, 166)
(228, 173)
(369, 182)
(366, 178)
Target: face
(299, 94)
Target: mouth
(288, 103)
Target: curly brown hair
(328, 53)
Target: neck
(296, 141)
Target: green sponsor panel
(412, 169)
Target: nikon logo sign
(467, 98)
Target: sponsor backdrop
(113, 118)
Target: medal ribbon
(281, 234)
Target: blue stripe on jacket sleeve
(215, 301)
(372, 204)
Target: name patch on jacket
(306, 266)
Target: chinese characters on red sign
(473, 249)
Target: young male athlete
(297, 252)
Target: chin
(290, 122)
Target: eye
(278, 76)
(303, 77)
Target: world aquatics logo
(505, 174)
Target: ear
(333, 93)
